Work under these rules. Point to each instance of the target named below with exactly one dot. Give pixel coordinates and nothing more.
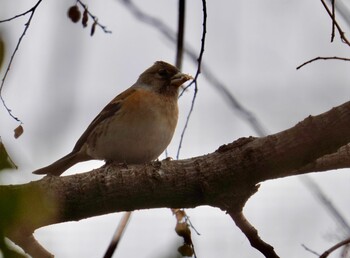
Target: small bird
(135, 127)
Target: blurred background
(61, 78)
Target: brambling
(135, 127)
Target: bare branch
(323, 58)
(22, 14)
(103, 27)
(334, 25)
(118, 235)
(31, 11)
(180, 34)
(335, 247)
(316, 190)
(310, 250)
(195, 82)
(334, 21)
(336, 160)
(26, 27)
(252, 234)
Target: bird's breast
(139, 132)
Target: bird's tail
(61, 165)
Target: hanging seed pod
(74, 13)
(85, 19)
(93, 27)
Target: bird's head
(163, 78)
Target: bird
(133, 128)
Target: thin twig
(180, 34)
(341, 32)
(21, 14)
(31, 11)
(342, 9)
(27, 24)
(103, 27)
(118, 235)
(199, 60)
(317, 191)
(334, 25)
(323, 58)
(333, 19)
(335, 247)
(309, 250)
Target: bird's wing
(111, 109)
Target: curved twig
(199, 61)
(103, 27)
(336, 24)
(335, 247)
(252, 234)
(31, 11)
(323, 58)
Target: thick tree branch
(336, 160)
(225, 178)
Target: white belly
(136, 140)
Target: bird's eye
(163, 73)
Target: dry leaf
(182, 228)
(18, 131)
(185, 250)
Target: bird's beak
(179, 78)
